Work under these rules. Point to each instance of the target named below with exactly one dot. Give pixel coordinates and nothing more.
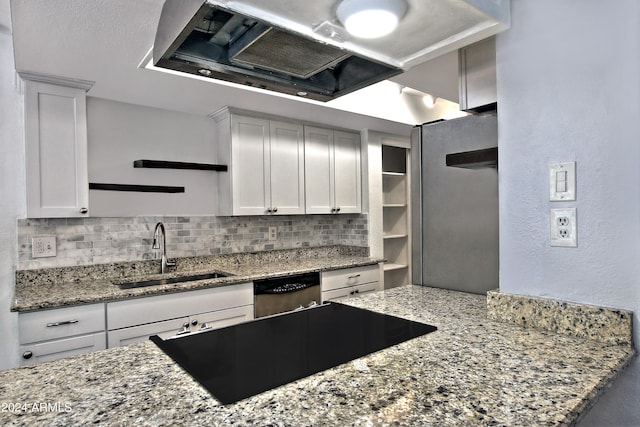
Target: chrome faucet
(160, 242)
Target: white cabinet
(56, 150)
(333, 173)
(168, 315)
(349, 281)
(53, 334)
(182, 325)
(266, 165)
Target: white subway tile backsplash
(84, 241)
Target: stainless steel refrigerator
(455, 206)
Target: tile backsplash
(84, 241)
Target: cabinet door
(336, 294)
(350, 291)
(57, 349)
(181, 326)
(287, 168)
(56, 151)
(318, 154)
(220, 319)
(347, 173)
(164, 329)
(250, 158)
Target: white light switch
(562, 181)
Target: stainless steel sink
(169, 280)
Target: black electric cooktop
(243, 360)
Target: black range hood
(206, 39)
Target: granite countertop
(66, 286)
(471, 371)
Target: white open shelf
(391, 266)
(396, 216)
(394, 236)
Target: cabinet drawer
(349, 291)
(57, 349)
(139, 311)
(349, 277)
(61, 322)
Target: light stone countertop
(66, 286)
(471, 371)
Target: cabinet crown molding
(57, 80)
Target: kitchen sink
(170, 280)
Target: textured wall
(85, 241)
(120, 133)
(12, 186)
(567, 90)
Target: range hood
(300, 48)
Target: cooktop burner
(243, 360)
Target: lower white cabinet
(53, 334)
(183, 325)
(173, 314)
(350, 281)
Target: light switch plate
(43, 246)
(562, 181)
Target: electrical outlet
(273, 233)
(43, 246)
(564, 231)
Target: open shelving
(395, 216)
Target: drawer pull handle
(354, 276)
(27, 354)
(65, 322)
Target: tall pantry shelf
(396, 216)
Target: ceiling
(105, 41)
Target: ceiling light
(370, 19)
(429, 101)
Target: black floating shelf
(163, 164)
(476, 159)
(136, 188)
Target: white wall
(569, 90)
(120, 133)
(12, 187)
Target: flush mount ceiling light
(369, 19)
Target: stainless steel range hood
(300, 48)
(207, 39)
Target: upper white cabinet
(56, 150)
(333, 171)
(266, 165)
